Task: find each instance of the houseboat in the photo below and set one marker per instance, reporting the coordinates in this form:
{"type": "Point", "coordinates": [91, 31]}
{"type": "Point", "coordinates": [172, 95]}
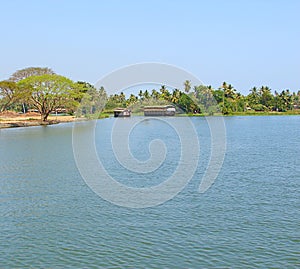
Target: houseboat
{"type": "Point", "coordinates": [122, 112]}
{"type": "Point", "coordinates": [167, 110]}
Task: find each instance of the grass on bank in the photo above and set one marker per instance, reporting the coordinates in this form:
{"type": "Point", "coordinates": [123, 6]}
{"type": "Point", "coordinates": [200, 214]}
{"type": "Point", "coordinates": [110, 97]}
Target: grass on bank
{"type": "Point", "coordinates": [265, 113]}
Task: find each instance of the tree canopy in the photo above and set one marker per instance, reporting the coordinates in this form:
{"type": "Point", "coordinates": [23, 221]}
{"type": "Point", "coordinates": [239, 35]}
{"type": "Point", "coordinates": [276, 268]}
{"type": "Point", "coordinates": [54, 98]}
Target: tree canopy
{"type": "Point", "coordinates": [91, 100]}
{"type": "Point", "coordinates": [42, 89]}
{"type": "Point", "coordinates": [7, 94]}
{"type": "Point", "coordinates": [30, 71]}
{"type": "Point", "coordinates": [48, 92]}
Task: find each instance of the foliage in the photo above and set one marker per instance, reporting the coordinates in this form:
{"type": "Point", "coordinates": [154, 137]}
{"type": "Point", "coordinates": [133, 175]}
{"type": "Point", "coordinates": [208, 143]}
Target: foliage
{"type": "Point", "coordinates": [47, 93]}
{"type": "Point", "coordinates": [187, 86]}
{"type": "Point", "coordinates": [205, 99]}
{"type": "Point", "coordinates": [7, 94]}
{"type": "Point", "coordinates": [91, 100]}
{"type": "Point", "coordinates": [41, 89]}
{"type": "Point", "coordinates": [30, 71]}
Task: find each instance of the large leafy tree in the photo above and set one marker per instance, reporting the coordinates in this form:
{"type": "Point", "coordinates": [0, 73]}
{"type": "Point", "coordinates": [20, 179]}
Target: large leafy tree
{"type": "Point", "coordinates": [7, 94]}
{"type": "Point", "coordinates": [48, 92]}
{"type": "Point", "coordinates": [30, 71]}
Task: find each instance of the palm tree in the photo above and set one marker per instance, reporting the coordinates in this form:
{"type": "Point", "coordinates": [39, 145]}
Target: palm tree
{"type": "Point", "coordinates": [141, 94]}
{"type": "Point", "coordinates": [286, 97]}
{"type": "Point", "coordinates": [266, 96]}
{"type": "Point", "coordinates": [165, 94]}
{"type": "Point", "coordinates": [131, 100]}
{"type": "Point", "coordinates": [230, 92]}
{"type": "Point", "coordinates": [187, 86]}
{"type": "Point", "coordinates": [175, 96]}
{"type": "Point", "coordinates": [146, 94]}
{"type": "Point", "coordinates": [122, 97]}
{"type": "Point", "coordinates": [224, 87]}
{"type": "Point", "coordinates": [253, 97]}
{"type": "Point", "coordinates": [154, 94]}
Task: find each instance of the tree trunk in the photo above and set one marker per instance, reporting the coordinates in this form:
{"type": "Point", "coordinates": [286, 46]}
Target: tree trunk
{"type": "Point", "coordinates": [45, 116]}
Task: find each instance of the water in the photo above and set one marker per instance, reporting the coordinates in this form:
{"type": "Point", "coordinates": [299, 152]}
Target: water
{"type": "Point", "coordinates": [249, 218]}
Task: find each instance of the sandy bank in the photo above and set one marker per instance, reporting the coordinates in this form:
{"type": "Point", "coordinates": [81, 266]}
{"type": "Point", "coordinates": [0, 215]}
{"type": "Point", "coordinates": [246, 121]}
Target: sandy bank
{"type": "Point", "coordinates": [9, 119]}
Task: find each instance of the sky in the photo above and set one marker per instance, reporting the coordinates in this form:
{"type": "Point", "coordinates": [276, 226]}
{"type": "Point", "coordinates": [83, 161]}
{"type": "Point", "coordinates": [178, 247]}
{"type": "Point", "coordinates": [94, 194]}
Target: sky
{"type": "Point", "coordinates": [245, 43]}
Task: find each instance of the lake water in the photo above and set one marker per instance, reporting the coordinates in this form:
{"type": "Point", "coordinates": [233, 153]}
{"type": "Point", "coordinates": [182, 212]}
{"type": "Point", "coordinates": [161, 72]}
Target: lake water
{"type": "Point", "coordinates": [249, 218]}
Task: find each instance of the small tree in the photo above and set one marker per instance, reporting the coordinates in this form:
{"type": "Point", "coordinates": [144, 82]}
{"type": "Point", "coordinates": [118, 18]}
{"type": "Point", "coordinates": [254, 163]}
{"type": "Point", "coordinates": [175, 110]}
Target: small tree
{"type": "Point", "coordinates": [47, 93]}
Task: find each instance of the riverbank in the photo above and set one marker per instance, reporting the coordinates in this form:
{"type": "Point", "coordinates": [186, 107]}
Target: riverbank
{"type": "Point", "coordinates": [263, 113]}
{"type": "Point", "coordinates": [248, 113]}
{"type": "Point", "coordinates": [11, 119]}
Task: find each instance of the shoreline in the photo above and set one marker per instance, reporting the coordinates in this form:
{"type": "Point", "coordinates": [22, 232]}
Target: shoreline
{"type": "Point", "coordinates": [30, 120]}
{"type": "Point", "coordinates": [27, 121]}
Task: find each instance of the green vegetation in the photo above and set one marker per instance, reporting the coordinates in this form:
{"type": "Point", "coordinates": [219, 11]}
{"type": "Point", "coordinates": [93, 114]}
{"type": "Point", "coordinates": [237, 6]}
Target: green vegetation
{"type": "Point", "coordinates": [42, 90]}
{"type": "Point", "coordinates": [7, 94]}
{"type": "Point", "coordinates": [258, 100]}
{"type": "Point", "coordinates": [47, 93]}
{"type": "Point", "coordinates": [208, 101]}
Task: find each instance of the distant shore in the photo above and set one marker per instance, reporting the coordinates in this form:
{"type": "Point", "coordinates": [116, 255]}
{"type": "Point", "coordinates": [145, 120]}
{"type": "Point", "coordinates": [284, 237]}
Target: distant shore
{"type": "Point", "coordinates": [249, 113]}
{"type": "Point", "coordinates": [14, 120]}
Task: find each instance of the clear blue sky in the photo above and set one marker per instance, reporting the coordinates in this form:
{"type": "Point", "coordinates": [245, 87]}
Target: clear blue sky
{"type": "Point", "coordinates": [244, 42]}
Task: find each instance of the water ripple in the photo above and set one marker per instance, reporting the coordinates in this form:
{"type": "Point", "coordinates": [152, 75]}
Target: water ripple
{"type": "Point", "coordinates": [250, 218]}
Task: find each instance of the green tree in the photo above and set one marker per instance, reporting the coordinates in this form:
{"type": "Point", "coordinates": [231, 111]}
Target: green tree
{"type": "Point", "coordinates": [92, 101]}
{"type": "Point", "coordinates": [175, 96]}
{"type": "Point", "coordinates": [48, 92]}
{"type": "Point", "coordinates": [131, 100]}
{"type": "Point", "coordinates": [164, 93]}
{"type": "Point", "coordinates": [116, 100]}
{"type": "Point", "coordinates": [30, 71]}
{"type": "Point", "coordinates": [266, 97]}
{"type": "Point", "coordinates": [141, 95]}
{"type": "Point", "coordinates": [122, 98]}
{"type": "Point", "coordinates": [146, 94]}
{"type": "Point", "coordinates": [229, 98]}
{"type": "Point", "coordinates": [155, 94]}
{"type": "Point", "coordinates": [240, 103]}
{"type": "Point", "coordinates": [296, 99]}
{"type": "Point", "coordinates": [187, 86]}
{"type": "Point", "coordinates": [284, 101]}
{"type": "Point", "coordinates": [253, 98]}
{"type": "Point", "coordinates": [218, 96]}
{"type": "Point", "coordinates": [230, 92]}
{"type": "Point", "coordinates": [187, 104]}
{"type": "Point", "coordinates": [205, 98]}
{"type": "Point", "coordinates": [7, 94]}
{"type": "Point", "coordinates": [223, 88]}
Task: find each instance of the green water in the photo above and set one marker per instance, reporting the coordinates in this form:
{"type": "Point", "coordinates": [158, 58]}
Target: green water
{"type": "Point", "coordinates": [249, 218]}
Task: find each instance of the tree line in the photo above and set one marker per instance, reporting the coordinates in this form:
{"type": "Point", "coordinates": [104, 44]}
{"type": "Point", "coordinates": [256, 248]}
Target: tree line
{"type": "Point", "coordinates": [45, 91]}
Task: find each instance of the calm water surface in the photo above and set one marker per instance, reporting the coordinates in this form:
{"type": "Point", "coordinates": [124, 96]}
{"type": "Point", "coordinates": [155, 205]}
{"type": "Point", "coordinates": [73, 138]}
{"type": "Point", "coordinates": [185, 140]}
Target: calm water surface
{"type": "Point", "coordinates": [249, 218]}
